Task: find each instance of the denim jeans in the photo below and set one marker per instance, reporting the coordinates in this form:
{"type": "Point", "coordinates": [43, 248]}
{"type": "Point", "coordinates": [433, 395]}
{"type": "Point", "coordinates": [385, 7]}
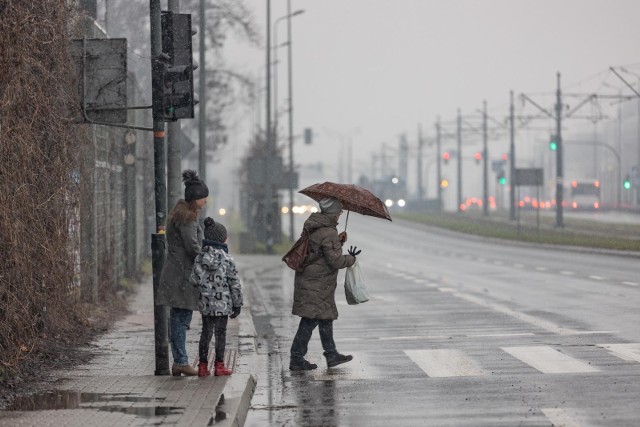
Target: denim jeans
{"type": "Point", "coordinates": [305, 330]}
{"type": "Point", "coordinates": [180, 318]}
{"type": "Point", "coordinates": [211, 324]}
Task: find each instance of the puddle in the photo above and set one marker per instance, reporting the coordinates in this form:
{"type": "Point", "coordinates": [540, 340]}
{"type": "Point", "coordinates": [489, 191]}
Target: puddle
{"type": "Point", "coordinates": [64, 399]}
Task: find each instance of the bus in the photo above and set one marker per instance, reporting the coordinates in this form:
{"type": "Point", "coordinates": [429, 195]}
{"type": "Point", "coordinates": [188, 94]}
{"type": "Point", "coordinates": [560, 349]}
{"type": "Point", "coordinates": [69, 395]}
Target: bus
{"type": "Point", "coordinates": [585, 195]}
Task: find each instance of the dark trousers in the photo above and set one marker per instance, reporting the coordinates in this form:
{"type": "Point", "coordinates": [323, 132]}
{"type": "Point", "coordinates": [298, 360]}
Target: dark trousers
{"type": "Point", "coordinates": [211, 325]}
{"type": "Point", "coordinates": [305, 330]}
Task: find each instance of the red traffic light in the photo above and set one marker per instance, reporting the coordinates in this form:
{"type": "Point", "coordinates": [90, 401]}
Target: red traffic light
{"type": "Point", "coordinates": [505, 157]}
{"type": "Point", "coordinates": [478, 156]}
{"type": "Point", "coordinates": [446, 155]}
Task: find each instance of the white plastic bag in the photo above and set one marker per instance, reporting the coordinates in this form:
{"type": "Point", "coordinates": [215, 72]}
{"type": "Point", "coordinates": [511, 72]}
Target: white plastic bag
{"type": "Point", "coordinates": [354, 285]}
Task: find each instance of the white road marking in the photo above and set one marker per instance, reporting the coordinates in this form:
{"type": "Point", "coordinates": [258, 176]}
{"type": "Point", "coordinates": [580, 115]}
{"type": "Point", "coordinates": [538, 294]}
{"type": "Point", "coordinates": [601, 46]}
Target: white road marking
{"type": "Point", "coordinates": [630, 283]}
{"type": "Point", "coordinates": [541, 268]}
{"type": "Point", "coordinates": [447, 290]}
{"type": "Point", "coordinates": [412, 337]}
{"type": "Point", "coordinates": [567, 273]}
{"type": "Point", "coordinates": [525, 334]}
{"type": "Point", "coordinates": [548, 360]}
{"type": "Point", "coordinates": [596, 277]}
{"type": "Point", "coordinates": [541, 323]}
{"type": "Point", "coordinates": [357, 369]}
{"type": "Point", "coordinates": [629, 352]}
{"type": "Point", "coordinates": [432, 285]}
{"type": "Point", "coordinates": [444, 363]}
{"type": "Point", "coordinates": [419, 280]}
{"type": "Point", "coordinates": [559, 418]}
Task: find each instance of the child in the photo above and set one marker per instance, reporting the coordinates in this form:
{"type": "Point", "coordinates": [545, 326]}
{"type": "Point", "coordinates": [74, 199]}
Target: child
{"type": "Point", "coordinates": [215, 276]}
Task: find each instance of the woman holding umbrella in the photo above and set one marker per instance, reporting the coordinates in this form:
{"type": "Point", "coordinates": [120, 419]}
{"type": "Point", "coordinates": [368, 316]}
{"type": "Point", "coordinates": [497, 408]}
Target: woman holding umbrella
{"type": "Point", "coordinates": [314, 293]}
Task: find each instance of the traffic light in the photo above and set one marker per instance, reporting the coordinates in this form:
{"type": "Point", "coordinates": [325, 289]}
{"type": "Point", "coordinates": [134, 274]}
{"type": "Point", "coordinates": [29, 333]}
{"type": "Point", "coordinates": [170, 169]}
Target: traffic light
{"type": "Point", "coordinates": [505, 157]}
{"type": "Point", "coordinates": [446, 156]}
{"type": "Point", "coordinates": [626, 184]}
{"type": "Point", "coordinates": [553, 143]}
{"type": "Point", "coordinates": [502, 180]}
{"type": "Point", "coordinates": [173, 96]}
{"type": "Point", "coordinates": [444, 183]}
{"type": "Point", "coordinates": [477, 156]}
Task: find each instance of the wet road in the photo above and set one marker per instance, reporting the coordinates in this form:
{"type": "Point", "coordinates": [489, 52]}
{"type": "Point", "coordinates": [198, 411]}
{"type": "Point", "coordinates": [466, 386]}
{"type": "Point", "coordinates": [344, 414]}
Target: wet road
{"type": "Point", "coordinates": [459, 332]}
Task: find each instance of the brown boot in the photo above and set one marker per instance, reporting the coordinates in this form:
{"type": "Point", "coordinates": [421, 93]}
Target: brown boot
{"type": "Point", "coordinates": [186, 370]}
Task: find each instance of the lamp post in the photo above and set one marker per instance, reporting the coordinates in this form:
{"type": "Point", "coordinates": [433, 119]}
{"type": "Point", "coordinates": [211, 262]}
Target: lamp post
{"type": "Point", "coordinates": [288, 17]}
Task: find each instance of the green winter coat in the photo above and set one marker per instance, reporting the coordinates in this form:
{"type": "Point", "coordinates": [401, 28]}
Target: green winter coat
{"type": "Point", "coordinates": [184, 243]}
{"type": "Point", "coordinates": [314, 293]}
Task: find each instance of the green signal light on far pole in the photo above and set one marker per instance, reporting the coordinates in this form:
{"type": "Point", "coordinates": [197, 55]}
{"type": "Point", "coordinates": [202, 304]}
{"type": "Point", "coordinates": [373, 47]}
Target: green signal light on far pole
{"type": "Point", "coordinates": [503, 180]}
{"type": "Point", "coordinates": [553, 146]}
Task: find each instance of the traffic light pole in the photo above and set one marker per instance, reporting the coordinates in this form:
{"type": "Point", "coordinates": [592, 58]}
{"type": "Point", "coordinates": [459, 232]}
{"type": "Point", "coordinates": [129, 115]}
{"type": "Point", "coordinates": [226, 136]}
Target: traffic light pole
{"type": "Point", "coordinates": [512, 160]}
{"type": "Point", "coordinates": [459, 142]}
{"type": "Point", "coordinates": [174, 157]}
{"type": "Point", "coordinates": [158, 240]}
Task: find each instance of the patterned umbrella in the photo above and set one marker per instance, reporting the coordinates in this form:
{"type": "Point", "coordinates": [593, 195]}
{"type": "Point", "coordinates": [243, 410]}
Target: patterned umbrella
{"type": "Point", "coordinates": [352, 197]}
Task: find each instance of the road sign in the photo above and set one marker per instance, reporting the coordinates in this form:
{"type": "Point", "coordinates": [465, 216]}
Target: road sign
{"type": "Point", "coordinates": [529, 177]}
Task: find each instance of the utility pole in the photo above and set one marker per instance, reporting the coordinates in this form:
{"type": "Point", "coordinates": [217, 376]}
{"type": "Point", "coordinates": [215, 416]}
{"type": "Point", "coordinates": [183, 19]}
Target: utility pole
{"type": "Point", "coordinates": [459, 154]}
{"type": "Point", "coordinates": [158, 240]}
{"type": "Point", "coordinates": [419, 166]}
{"type": "Point", "coordinates": [202, 114]}
{"type": "Point", "coordinates": [439, 160]}
{"type": "Point", "coordinates": [559, 169]}
{"type": "Point", "coordinates": [512, 160]}
{"type": "Point", "coordinates": [174, 158]}
{"type": "Point", "coordinates": [485, 171]}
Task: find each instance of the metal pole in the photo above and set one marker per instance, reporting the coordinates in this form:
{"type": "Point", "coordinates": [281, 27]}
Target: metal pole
{"type": "Point", "coordinates": [268, 219]}
{"type": "Point", "coordinates": [419, 166]}
{"type": "Point", "coordinates": [158, 242]}
{"type": "Point", "coordinates": [512, 160]}
{"type": "Point", "coordinates": [559, 171]}
{"type": "Point", "coordinates": [290, 81]}
{"type": "Point", "coordinates": [439, 160]}
{"type": "Point", "coordinates": [174, 158]}
{"type": "Point", "coordinates": [485, 171]}
{"type": "Point", "coordinates": [459, 141]}
{"type": "Point", "coordinates": [202, 116]}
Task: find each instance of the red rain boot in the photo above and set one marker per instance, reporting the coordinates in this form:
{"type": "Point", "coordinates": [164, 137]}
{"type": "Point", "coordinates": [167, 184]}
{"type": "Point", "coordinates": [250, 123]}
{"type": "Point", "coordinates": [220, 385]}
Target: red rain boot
{"type": "Point", "coordinates": [220, 369]}
{"type": "Point", "coordinates": [202, 369]}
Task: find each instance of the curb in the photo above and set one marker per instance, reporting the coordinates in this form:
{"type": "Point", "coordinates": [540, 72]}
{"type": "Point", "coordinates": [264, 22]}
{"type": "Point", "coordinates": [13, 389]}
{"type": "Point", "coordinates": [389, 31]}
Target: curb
{"type": "Point", "coordinates": [237, 395]}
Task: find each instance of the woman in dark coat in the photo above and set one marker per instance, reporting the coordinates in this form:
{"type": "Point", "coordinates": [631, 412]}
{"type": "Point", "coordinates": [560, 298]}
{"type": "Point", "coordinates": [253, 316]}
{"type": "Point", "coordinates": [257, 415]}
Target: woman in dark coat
{"type": "Point", "coordinates": [184, 241]}
{"type": "Point", "coordinates": [314, 288]}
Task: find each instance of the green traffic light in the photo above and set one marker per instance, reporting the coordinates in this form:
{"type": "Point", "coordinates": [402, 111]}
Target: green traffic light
{"type": "Point", "coordinates": [553, 146]}
{"type": "Point", "coordinates": [627, 185]}
{"type": "Point", "coordinates": [503, 180]}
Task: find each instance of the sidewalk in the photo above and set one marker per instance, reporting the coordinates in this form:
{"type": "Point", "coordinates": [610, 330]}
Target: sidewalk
{"type": "Point", "coordinates": [118, 387]}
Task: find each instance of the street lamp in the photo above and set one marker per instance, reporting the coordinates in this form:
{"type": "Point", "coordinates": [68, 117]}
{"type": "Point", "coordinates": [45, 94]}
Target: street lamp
{"type": "Point", "coordinates": [288, 17]}
{"type": "Point", "coordinates": [277, 46]}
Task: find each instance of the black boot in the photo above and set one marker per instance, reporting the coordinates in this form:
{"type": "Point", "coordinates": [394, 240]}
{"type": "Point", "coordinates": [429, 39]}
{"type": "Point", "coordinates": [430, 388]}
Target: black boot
{"type": "Point", "coordinates": [301, 365]}
{"type": "Point", "coordinates": [335, 359]}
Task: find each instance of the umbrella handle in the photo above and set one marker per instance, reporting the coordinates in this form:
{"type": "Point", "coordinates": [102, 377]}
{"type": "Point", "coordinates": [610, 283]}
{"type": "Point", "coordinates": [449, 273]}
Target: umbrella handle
{"type": "Point", "coordinates": [346, 221]}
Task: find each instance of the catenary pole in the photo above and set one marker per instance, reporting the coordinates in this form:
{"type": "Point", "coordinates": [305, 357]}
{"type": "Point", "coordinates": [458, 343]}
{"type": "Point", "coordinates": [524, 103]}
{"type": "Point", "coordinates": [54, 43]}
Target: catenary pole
{"type": "Point", "coordinates": [439, 164]}
{"type": "Point", "coordinates": [559, 169]}
{"type": "Point", "coordinates": [485, 160]}
{"type": "Point", "coordinates": [459, 154]}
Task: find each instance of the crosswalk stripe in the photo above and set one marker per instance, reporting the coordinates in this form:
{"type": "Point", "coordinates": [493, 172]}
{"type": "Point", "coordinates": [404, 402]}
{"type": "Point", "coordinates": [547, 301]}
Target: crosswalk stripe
{"type": "Point", "coordinates": [629, 352]}
{"type": "Point", "coordinates": [559, 417]}
{"type": "Point", "coordinates": [357, 369]}
{"type": "Point", "coordinates": [444, 363]}
{"type": "Point", "coordinates": [548, 360]}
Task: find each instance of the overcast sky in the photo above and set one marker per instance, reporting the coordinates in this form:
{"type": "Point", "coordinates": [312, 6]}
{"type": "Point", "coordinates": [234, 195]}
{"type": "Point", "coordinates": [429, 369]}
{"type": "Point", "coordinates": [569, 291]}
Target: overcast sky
{"type": "Point", "coordinates": [373, 69]}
